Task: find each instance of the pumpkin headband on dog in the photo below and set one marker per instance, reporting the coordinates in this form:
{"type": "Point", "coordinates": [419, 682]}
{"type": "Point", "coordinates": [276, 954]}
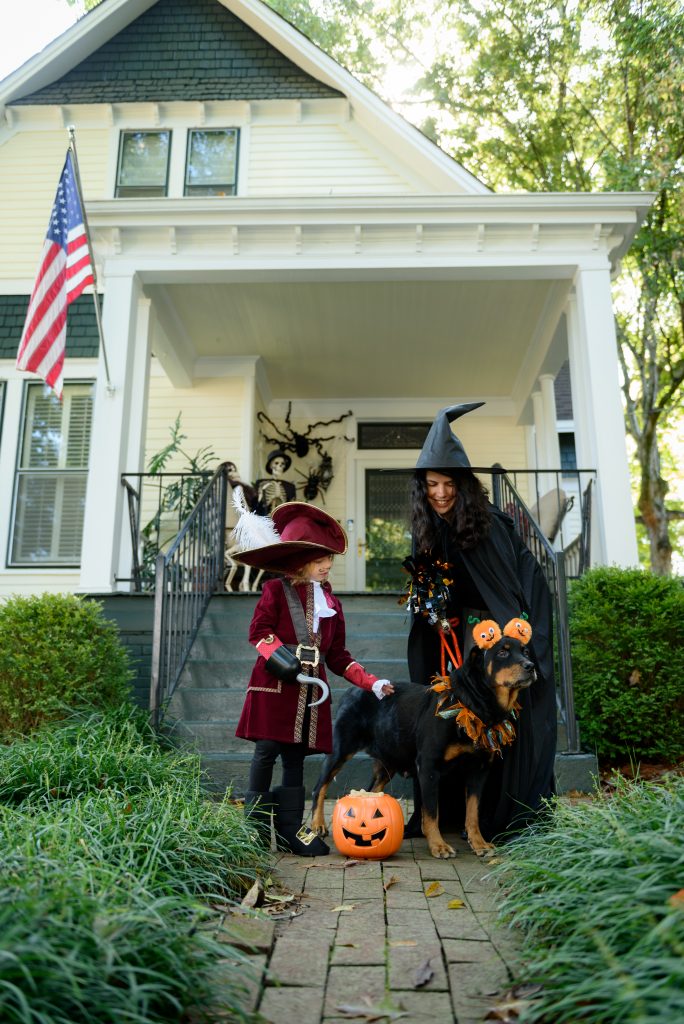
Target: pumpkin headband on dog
{"type": "Point", "coordinates": [487, 632]}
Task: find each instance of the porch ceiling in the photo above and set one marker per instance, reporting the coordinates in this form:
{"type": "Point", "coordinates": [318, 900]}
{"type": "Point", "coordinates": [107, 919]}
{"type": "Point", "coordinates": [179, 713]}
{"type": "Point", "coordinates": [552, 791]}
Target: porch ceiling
{"type": "Point", "coordinates": [374, 338]}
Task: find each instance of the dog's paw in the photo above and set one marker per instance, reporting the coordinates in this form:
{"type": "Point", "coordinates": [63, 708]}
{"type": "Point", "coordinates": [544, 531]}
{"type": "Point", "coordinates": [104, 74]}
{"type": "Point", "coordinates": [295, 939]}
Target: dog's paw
{"type": "Point", "coordinates": [442, 851]}
{"type": "Point", "coordinates": [320, 828]}
{"type": "Point", "coordinates": [482, 849]}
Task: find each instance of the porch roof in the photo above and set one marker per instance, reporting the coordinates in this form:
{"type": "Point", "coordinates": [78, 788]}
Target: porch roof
{"type": "Point", "coordinates": [372, 297]}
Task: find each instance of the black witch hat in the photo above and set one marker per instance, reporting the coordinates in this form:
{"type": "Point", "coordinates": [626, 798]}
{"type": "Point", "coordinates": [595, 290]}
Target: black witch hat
{"type": "Point", "coordinates": [442, 449]}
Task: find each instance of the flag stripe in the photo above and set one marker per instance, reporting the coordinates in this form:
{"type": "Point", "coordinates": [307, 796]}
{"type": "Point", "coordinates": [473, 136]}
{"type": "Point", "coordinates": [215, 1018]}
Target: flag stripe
{"type": "Point", "coordinates": [65, 269]}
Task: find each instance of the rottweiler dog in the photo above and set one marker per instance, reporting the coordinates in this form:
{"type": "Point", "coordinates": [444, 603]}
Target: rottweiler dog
{"type": "Point", "coordinates": [420, 730]}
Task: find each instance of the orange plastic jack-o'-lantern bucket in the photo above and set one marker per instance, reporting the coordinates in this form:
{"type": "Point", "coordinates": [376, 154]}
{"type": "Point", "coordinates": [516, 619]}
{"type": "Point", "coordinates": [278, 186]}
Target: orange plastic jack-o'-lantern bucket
{"type": "Point", "coordinates": [367, 825]}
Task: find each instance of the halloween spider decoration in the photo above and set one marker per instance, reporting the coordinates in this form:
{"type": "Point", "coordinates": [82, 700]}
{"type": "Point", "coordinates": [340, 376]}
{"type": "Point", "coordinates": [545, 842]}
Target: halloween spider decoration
{"type": "Point", "coordinates": [319, 477]}
{"type": "Point", "coordinates": [290, 440]}
{"type": "Point", "coordinates": [368, 825]}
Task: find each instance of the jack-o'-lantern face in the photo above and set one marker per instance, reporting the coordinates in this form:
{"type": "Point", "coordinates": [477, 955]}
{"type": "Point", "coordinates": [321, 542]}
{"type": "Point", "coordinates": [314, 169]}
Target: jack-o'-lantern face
{"type": "Point", "coordinates": [367, 825]}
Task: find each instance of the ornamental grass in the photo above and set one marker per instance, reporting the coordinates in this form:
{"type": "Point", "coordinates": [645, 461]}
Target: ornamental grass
{"type": "Point", "coordinates": [598, 892]}
{"type": "Point", "coordinates": [117, 873]}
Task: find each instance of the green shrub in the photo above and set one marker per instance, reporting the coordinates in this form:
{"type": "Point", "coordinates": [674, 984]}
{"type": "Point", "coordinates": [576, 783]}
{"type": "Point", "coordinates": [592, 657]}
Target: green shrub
{"type": "Point", "coordinates": [596, 889]}
{"type": "Point", "coordinates": [113, 751]}
{"type": "Point", "coordinates": [118, 877]}
{"type": "Point", "coordinates": [57, 652]}
{"type": "Point", "coordinates": [627, 645]}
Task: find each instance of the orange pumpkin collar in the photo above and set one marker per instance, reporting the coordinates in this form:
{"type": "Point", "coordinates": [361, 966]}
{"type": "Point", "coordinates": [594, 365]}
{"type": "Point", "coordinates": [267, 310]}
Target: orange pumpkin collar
{"type": "Point", "coordinates": [484, 737]}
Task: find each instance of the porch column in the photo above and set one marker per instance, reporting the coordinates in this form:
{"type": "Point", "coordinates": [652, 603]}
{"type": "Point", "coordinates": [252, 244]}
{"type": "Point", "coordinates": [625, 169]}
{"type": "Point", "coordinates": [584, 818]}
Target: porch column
{"type": "Point", "coordinates": [550, 421]}
{"type": "Point", "coordinates": [539, 439]}
{"type": "Point", "coordinates": [117, 431]}
{"type": "Point", "coordinates": [599, 420]}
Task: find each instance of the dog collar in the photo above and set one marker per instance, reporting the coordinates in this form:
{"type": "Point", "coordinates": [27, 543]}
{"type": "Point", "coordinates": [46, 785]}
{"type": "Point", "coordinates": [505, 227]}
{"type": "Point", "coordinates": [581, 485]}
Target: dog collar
{"type": "Point", "coordinates": [491, 738]}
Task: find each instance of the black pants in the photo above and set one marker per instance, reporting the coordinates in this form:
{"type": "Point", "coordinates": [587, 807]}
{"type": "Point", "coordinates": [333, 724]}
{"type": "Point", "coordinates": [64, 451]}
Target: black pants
{"type": "Point", "coordinates": [265, 754]}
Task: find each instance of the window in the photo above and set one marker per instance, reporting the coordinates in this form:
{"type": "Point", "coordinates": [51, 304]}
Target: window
{"type": "Point", "coordinates": [143, 168]}
{"type": "Point", "coordinates": [211, 165]}
{"type": "Point", "coordinates": [566, 443]}
{"type": "Point", "coordinates": [391, 435]}
{"type": "Point", "coordinates": [51, 477]}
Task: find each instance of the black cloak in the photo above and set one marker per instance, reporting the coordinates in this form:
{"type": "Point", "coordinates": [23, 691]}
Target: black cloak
{"type": "Point", "coordinates": [508, 580]}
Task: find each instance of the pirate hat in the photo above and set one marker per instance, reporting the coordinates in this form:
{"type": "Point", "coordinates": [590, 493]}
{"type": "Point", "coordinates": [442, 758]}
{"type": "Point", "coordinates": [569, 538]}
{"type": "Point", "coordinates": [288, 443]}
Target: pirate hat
{"type": "Point", "coordinates": [442, 449]}
{"type": "Point", "coordinates": [299, 533]}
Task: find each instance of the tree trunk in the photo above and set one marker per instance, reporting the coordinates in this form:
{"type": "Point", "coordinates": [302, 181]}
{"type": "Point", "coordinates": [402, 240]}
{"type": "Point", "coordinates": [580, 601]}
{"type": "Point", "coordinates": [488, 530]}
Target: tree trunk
{"type": "Point", "coordinates": [652, 504]}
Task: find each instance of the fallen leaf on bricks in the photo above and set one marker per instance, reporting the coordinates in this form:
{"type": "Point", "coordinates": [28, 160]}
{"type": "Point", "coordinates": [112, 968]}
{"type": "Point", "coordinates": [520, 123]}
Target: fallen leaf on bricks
{"type": "Point", "coordinates": [422, 975]}
{"type": "Point", "coordinates": [392, 881]}
{"type": "Point", "coordinates": [508, 1008]}
{"type": "Point", "coordinates": [370, 1011]}
{"type": "Point", "coordinates": [255, 896]}
{"type": "Point", "coordinates": [455, 904]}
{"type": "Point", "coordinates": [279, 897]}
{"type": "Point", "coordinates": [351, 863]}
{"type": "Point", "coordinates": [344, 906]}
{"type": "Point", "coordinates": [347, 945]}
{"type": "Point", "coordinates": [404, 942]}
{"type": "Point", "coordinates": [434, 889]}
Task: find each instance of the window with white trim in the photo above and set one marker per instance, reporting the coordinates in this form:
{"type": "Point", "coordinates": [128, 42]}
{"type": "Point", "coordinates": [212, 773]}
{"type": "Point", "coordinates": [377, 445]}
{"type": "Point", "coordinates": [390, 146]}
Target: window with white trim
{"type": "Point", "coordinates": [211, 162]}
{"type": "Point", "coordinates": [52, 474]}
{"type": "Point", "coordinates": [143, 167]}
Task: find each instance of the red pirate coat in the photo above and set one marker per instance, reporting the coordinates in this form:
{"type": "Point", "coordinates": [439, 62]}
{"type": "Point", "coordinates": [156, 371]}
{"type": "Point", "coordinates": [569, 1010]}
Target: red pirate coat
{"type": "Point", "coordinates": [273, 709]}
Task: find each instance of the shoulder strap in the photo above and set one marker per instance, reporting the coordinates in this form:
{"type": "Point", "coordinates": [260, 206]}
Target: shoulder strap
{"type": "Point", "coordinates": [297, 615]}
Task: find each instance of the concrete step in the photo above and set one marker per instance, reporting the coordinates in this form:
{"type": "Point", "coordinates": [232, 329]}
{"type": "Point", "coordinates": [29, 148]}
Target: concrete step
{"type": "Point", "coordinates": [231, 772]}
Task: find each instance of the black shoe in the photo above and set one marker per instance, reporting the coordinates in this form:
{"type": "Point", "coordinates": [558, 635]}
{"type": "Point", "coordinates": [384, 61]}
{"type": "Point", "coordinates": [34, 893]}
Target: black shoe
{"type": "Point", "coordinates": [291, 834]}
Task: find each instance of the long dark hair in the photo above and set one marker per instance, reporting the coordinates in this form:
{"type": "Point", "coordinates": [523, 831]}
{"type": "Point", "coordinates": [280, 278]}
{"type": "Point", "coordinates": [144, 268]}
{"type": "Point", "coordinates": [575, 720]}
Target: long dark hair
{"type": "Point", "coordinates": [469, 519]}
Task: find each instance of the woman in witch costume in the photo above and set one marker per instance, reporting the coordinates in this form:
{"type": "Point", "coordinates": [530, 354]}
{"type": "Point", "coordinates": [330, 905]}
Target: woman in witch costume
{"type": "Point", "coordinates": [297, 628]}
{"type": "Point", "coordinates": [472, 556]}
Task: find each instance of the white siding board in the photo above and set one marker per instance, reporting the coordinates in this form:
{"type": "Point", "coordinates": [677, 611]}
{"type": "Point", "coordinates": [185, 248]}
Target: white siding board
{"type": "Point", "coordinates": [302, 159]}
{"type": "Point", "coordinates": [29, 172]}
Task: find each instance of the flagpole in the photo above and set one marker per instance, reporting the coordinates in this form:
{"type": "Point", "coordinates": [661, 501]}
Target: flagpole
{"type": "Point", "coordinates": [98, 317]}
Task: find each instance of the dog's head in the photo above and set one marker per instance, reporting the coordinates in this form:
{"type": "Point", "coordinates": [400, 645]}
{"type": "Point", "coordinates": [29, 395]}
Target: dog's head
{"type": "Point", "coordinates": [504, 659]}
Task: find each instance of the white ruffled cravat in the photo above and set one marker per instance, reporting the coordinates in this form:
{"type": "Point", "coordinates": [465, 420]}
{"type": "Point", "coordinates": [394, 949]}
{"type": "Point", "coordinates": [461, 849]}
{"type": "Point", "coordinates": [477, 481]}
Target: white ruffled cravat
{"type": "Point", "coordinates": [322, 609]}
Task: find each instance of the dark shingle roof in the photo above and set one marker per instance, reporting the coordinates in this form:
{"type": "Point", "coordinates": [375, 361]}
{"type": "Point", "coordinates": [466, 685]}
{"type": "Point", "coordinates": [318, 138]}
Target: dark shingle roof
{"type": "Point", "coordinates": [81, 339]}
{"type": "Point", "coordinates": [563, 393]}
{"type": "Point", "coordinates": [182, 50]}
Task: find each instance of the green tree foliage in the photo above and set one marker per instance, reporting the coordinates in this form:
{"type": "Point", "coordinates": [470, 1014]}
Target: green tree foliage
{"type": "Point", "coordinates": [57, 652]}
{"type": "Point", "coordinates": [627, 645]}
{"type": "Point", "coordinates": [561, 95]}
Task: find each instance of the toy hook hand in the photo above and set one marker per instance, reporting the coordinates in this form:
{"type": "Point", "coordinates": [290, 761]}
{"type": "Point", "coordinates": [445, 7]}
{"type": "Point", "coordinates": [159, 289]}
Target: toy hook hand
{"type": "Point", "coordinates": [325, 689]}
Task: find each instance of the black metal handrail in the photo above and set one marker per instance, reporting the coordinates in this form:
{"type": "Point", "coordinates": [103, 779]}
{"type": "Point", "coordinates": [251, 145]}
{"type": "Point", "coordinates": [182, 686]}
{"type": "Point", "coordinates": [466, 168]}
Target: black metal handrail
{"type": "Point", "coordinates": [168, 497]}
{"type": "Point", "coordinates": [186, 577]}
{"type": "Point", "coordinates": [552, 562]}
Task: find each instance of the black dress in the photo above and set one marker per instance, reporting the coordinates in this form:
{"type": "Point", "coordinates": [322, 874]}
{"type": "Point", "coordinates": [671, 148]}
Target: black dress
{"type": "Point", "coordinates": [499, 577]}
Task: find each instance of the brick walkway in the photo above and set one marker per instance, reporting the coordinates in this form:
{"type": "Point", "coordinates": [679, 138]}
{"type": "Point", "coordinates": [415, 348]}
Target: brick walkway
{"type": "Point", "coordinates": [369, 956]}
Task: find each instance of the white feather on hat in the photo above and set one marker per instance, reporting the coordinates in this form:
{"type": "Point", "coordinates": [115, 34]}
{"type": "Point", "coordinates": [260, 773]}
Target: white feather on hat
{"type": "Point", "coordinates": [251, 530]}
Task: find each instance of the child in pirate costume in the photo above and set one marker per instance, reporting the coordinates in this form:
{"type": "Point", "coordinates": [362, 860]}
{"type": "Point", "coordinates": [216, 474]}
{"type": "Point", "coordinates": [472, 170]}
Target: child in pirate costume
{"type": "Point", "coordinates": [297, 629]}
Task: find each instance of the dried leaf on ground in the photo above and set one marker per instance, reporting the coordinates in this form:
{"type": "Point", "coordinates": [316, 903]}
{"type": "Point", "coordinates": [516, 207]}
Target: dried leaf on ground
{"type": "Point", "coordinates": [510, 1005]}
{"type": "Point", "coordinates": [434, 889]}
{"type": "Point", "coordinates": [391, 881]}
{"type": "Point", "coordinates": [352, 863]}
{"type": "Point", "coordinates": [343, 907]}
{"type": "Point", "coordinates": [403, 942]}
{"type": "Point", "coordinates": [255, 896]}
{"type": "Point", "coordinates": [372, 1012]}
{"type": "Point", "coordinates": [455, 904]}
{"type": "Point", "coordinates": [422, 974]}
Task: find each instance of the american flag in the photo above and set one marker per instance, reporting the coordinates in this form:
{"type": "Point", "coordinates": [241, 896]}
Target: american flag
{"type": "Point", "coordinates": [65, 270]}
